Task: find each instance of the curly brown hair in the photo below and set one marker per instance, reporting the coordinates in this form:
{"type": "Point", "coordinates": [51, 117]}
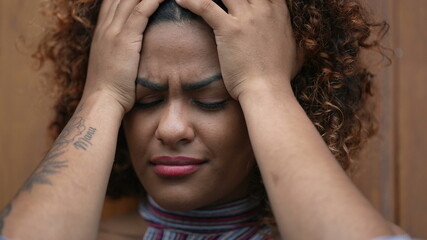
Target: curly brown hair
{"type": "Point", "coordinates": [333, 85]}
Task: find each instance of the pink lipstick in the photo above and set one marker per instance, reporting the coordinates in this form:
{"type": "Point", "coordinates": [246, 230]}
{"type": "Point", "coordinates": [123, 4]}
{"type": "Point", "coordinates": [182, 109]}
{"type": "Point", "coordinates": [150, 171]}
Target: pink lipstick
{"type": "Point", "coordinates": [175, 166]}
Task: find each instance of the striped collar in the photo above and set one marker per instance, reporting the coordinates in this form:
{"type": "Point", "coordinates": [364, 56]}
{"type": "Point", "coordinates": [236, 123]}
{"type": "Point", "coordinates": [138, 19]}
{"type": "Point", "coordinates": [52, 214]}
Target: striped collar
{"type": "Point", "coordinates": [239, 218]}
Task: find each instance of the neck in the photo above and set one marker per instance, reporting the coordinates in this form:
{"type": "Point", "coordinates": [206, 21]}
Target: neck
{"type": "Point", "coordinates": [224, 217]}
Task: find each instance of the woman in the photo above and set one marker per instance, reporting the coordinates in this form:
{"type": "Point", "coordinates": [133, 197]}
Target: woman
{"type": "Point", "coordinates": [209, 111]}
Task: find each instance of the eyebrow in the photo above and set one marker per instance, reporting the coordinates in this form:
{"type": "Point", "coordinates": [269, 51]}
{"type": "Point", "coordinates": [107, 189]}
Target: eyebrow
{"type": "Point", "coordinates": [150, 85]}
{"type": "Point", "coordinates": [187, 86]}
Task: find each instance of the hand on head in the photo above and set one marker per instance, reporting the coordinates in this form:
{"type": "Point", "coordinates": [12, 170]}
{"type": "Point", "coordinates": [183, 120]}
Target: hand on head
{"type": "Point", "coordinates": [116, 47]}
{"type": "Point", "coordinates": [254, 40]}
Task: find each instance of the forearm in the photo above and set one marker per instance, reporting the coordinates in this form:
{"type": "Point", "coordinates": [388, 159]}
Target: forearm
{"type": "Point", "coordinates": [64, 196]}
{"type": "Point", "coordinates": [307, 189]}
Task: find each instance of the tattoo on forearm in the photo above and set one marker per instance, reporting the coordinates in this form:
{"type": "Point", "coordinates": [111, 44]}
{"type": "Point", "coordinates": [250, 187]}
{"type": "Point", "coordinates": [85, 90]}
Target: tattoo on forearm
{"type": "Point", "coordinates": [50, 165]}
{"type": "Point", "coordinates": [54, 161]}
{"type": "Point", "coordinates": [4, 214]}
{"type": "Point", "coordinates": [75, 128]}
{"type": "Point", "coordinates": [84, 142]}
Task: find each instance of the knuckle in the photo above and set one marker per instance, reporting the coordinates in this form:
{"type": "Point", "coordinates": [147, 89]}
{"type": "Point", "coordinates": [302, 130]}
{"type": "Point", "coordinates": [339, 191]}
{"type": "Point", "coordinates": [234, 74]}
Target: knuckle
{"type": "Point", "coordinates": [205, 5]}
{"type": "Point", "coordinates": [111, 33]}
{"type": "Point", "coordinates": [99, 30]}
{"type": "Point", "coordinates": [139, 10]}
{"type": "Point", "coordinates": [235, 28]}
{"type": "Point", "coordinates": [266, 10]}
{"type": "Point", "coordinates": [96, 34]}
{"type": "Point", "coordinates": [118, 40]}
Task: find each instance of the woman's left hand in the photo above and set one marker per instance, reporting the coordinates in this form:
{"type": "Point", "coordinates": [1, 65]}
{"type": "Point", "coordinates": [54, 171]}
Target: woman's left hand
{"type": "Point", "coordinates": [254, 40]}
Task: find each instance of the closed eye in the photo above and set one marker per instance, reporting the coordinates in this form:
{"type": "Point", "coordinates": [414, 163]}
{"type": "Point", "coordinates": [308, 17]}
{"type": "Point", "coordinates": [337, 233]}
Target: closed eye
{"type": "Point", "coordinates": [211, 106]}
{"type": "Point", "coordinates": [148, 105]}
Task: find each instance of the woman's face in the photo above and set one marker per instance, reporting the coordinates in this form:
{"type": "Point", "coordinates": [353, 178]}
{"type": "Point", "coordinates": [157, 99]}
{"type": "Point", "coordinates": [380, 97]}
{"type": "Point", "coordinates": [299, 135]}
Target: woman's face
{"type": "Point", "coordinates": [187, 137]}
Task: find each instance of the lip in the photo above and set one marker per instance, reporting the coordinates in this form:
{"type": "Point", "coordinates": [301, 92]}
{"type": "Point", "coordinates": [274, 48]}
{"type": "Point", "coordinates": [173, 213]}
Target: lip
{"type": "Point", "coordinates": [175, 166]}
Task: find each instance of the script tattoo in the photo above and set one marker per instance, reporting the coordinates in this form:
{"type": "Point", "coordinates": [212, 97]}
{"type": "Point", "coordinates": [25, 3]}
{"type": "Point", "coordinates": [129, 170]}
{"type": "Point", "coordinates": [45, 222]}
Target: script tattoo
{"type": "Point", "coordinates": [84, 142]}
{"type": "Point", "coordinates": [4, 214]}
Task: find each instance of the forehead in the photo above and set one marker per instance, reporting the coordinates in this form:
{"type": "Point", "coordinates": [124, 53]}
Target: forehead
{"type": "Point", "coordinates": [184, 50]}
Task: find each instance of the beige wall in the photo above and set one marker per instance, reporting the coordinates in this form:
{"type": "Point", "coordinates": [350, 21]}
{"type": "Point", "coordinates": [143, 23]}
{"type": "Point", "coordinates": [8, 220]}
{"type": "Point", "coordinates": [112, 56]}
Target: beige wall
{"type": "Point", "coordinates": [393, 168]}
{"type": "Point", "coordinates": [24, 105]}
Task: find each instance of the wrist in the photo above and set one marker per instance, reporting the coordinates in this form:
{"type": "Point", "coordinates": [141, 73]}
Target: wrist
{"type": "Point", "coordinates": [262, 88]}
{"type": "Point", "coordinates": [103, 100]}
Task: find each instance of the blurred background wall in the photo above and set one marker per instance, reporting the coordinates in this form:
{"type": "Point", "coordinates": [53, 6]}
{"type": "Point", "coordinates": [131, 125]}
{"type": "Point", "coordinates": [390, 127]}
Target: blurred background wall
{"type": "Point", "coordinates": [393, 167]}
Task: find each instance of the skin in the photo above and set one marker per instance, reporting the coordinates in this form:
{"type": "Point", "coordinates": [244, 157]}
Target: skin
{"type": "Point", "coordinates": [176, 55]}
{"type": "Point", "coordinates": [310, 195]}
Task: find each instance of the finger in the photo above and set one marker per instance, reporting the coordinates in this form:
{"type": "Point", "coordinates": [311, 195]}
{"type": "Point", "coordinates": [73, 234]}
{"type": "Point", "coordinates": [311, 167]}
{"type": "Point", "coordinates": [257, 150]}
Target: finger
{"type": "Point", "coordinates": [105, 5]}
{"type": "Point", "coordinates": [207, 9]}
{"type": "Point", "coordinates": [122, 13]}
{"type": "Point", "coordinates": [111, 11]}
{"type": "Point", "coordinates": [263, 5]}
{"type": "Point", "coordinates": [138, 18]}
{"type": "Point", "coordinates": [236, 6]}
{"type": "Point", "coordinates": [256, 2]}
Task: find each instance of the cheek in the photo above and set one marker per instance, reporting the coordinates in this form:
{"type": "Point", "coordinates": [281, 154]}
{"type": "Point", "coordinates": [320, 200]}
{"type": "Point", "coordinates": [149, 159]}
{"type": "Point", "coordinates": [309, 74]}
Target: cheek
{"type": "Point", "coordinates": [233, 149]}
{"type": "Point", "coordinates": [227, 133]}
{"type": "Point", "coordinates": [236, 131]}
{"type": "Point", "coordinates": [137, 131]}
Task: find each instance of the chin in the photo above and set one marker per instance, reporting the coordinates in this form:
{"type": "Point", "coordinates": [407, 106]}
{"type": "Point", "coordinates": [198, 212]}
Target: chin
{"type": "Point", "coordinates": [185, 199]}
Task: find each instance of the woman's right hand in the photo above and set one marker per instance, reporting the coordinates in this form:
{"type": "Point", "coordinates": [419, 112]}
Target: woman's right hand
{"type": "Point", "coordinates": [115, 50]}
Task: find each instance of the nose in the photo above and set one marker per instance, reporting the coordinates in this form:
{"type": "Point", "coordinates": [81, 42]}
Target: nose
{"type": "Point", "coordinates": [174, 128]}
